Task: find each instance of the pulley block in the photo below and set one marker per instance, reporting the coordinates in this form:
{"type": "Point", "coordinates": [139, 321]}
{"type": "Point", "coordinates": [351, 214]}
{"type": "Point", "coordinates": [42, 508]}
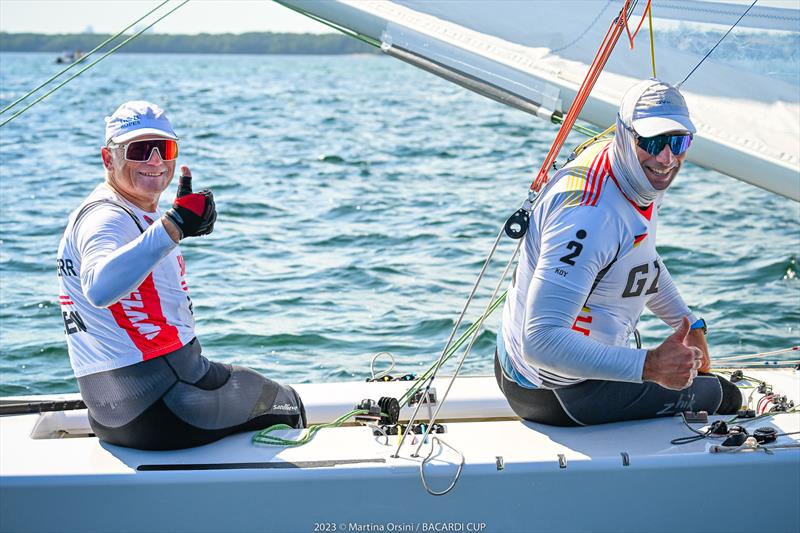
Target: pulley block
{"type": "Point", "coordinates": [390, 410]}
{"type": "Point", "coordinates": [517, 224]}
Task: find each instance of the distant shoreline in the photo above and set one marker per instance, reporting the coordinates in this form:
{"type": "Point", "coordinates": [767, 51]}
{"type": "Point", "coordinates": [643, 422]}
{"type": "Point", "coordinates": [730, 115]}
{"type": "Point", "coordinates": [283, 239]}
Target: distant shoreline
{"type": "Point", "coordinates": [204, 43]}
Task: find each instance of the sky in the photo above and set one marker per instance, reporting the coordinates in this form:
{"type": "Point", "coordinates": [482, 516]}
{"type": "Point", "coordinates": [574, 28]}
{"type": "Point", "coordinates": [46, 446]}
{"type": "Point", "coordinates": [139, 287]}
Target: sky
{"type": "Point", "coordinates": [110, 16]}
{"type": "Point", "coordinates": [198, 16]}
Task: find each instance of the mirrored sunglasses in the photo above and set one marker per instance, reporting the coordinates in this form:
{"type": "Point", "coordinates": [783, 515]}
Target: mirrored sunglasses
{"type": "Point", "coordinates": [141, 151]}
{"type": "Point", "coordinates": [678, 143]}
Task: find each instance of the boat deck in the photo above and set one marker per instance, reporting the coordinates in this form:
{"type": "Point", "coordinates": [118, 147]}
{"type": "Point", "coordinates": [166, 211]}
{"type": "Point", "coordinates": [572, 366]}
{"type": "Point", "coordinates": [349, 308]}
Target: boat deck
{"type": "Point", "coordinates": [506, 462]}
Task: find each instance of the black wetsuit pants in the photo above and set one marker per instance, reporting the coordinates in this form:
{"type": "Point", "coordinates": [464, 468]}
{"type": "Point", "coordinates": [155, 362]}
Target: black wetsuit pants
{"type": "Point", "coordinates": [182, 399]}
{"type": "Point", "coordinates": [599, 402]}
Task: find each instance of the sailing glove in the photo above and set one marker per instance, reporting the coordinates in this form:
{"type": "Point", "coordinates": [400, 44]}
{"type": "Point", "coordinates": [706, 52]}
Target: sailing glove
{"type": "Point", "coordinates": [193, 212]}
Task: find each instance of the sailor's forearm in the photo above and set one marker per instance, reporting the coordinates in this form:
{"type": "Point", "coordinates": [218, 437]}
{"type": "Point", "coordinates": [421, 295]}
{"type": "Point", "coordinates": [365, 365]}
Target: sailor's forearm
{"type": "Point", "coordinates": [550, 342]}
{"type": "Point", "coordinates": [107, 277]}
{"type": "Point", "coordinates": [571, 354]}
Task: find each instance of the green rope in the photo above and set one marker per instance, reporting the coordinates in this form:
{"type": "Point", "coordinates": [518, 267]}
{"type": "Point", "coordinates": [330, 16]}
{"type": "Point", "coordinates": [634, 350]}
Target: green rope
{"type": "Point", "coordinates": [264, 438]}
{"type": "Point", "coordinates": [589, 132]}
{"type": "Point", "coordinates": [90, 65]}
{"type": "Point", "coordinates": [347, 31]}
{"type": "Point", "coordinates": [452, 350]}
{"type": "Point", "coordinates": [84, 57]}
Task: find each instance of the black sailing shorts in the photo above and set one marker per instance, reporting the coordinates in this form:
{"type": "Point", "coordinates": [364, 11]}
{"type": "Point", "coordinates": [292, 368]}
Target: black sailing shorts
{"type": "Point", "coordinates": [598, 402]}
{"type": "Point", "coordinates": [182, 399]}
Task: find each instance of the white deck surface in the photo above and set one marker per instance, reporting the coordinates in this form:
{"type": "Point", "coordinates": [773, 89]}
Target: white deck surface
{"type": "Point", "coordinates": [281, 489]}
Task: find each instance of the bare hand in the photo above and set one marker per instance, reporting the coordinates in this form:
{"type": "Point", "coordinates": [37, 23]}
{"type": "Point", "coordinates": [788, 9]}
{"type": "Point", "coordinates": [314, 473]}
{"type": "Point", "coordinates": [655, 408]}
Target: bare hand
{"type": "Point", "coordinates": [697, 338]}
{"type": "Point", "coordinates": [673, 365]}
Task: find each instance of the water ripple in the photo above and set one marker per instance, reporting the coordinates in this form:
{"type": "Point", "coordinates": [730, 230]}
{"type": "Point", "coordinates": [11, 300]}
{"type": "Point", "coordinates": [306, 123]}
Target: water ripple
{"type": "Point", "coordinates": [357, 200]}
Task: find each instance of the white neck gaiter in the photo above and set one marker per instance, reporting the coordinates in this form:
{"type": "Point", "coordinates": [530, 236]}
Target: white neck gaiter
{"type": "Point", "coordinates": [655, 107]}
{"type": "Point", "coordinates": [626, 167]}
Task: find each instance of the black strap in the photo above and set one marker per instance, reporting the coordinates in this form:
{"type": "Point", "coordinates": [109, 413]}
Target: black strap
{"type": "Point", "coordinates": [124, 207]}
{"type": "Point", "coordinates": [602, 274]}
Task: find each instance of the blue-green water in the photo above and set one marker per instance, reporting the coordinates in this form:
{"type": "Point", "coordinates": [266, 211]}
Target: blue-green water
{"type": "Point", "coordinates": [357, 199]}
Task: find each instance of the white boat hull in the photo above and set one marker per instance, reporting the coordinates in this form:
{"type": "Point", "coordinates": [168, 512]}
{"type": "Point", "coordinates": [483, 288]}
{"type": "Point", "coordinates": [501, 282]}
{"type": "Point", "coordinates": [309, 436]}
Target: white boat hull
{"type": "Point", "coordinates": [346, 479]}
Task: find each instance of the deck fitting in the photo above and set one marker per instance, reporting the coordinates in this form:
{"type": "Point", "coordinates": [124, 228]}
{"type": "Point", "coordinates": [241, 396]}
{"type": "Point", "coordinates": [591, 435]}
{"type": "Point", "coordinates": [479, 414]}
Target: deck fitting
{"type": "Point", "coordinates": [626, 459]}
{"type": "Point", "coordinates": [562, 460]}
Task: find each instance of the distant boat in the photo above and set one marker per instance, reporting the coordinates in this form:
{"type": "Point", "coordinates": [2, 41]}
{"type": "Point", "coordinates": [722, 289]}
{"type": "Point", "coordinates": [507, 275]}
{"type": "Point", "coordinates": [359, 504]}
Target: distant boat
{"type": "Point", "coordinates": [68, 57]}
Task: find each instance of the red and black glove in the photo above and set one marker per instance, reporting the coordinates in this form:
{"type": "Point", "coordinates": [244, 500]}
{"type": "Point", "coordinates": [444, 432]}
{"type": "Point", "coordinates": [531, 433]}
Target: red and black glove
{"type": "Point", "coordinates": [193, 213]}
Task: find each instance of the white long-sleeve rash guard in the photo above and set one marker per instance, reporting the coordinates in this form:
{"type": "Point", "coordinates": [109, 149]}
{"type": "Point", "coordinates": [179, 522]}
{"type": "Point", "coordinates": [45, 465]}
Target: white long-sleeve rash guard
{"type": "Point", "coordinates": [110, 271]}
{"type": "Point", "coordinates": [124, 296]}
{"type": "Point", "coordinates": [560, 324]}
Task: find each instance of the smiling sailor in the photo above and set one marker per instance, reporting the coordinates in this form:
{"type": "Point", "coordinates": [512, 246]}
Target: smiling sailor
{"type": "Point", "coordinates": [126, 306]}
{"type": "Point", "coordinates": [588, 268]}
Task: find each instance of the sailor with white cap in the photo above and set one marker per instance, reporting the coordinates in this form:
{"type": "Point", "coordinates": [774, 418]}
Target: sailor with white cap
{"type": "Point", "coordinates": [127, 312]}
{"type": "Point", "coordinates": [588, 268]}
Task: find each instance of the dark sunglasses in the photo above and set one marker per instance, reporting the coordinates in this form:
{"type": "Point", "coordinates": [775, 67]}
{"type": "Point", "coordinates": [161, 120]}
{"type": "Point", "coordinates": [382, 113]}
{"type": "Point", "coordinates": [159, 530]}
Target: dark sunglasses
{"type": "Point", "coordinates": [678, 143]}
{"type": "Point", "coordinates": [140, 151]}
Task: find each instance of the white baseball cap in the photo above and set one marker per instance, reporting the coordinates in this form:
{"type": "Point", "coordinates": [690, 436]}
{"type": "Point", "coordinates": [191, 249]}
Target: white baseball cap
{"type": "Point", "coordinates": [136, 118]}
{"type": "Point", "coordinates": [653, 107]}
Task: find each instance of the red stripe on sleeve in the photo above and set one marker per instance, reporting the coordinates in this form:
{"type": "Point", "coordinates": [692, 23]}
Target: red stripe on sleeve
{"type": "Point", "coordinates": [140, 315]}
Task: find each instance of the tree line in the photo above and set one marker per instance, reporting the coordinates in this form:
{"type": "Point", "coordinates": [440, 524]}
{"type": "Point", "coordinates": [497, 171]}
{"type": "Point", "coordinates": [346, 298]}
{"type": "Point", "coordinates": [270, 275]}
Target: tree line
{"type": "Point", "coordinates": [204, 43]}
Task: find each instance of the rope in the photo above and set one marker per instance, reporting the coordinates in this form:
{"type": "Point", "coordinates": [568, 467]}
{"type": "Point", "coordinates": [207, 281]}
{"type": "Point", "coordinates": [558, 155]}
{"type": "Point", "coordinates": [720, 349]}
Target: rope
{"type": "Point", "coordinates": [581, 147]}
{"type": "Point", "coordinates": [641, 21]}
{"type": "Point", "coordinates": [589, 132]}
{"type": "Point", "coordinates": [90, 65]}
{"type": "Point", "coordinates": [726, 358]}
{"type": "Point", "coordinates": [84, 57]}
{"type": "Point", "coordinates": [718, 43]}
{"type": "Point", "coordinates": [589, 27]}
{"type": "Point", "coordinates": [480, 322]}
{"type": "Point", "coordinates": [600, 59]}
{"type": "Point", "coordinates": [452, 350]}
{"type": "Point", "coordinates": [652, 46]}
{"type": "Point", "coordinates": [440, 361]}
{"type": "Point", "coordinates": [264, 438]}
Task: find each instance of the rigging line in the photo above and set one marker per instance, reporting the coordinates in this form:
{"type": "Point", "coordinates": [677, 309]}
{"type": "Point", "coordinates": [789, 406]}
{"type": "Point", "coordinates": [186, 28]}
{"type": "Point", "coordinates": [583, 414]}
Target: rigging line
{"type": "Point", "coordinates": [639, 27]}
{"type": "Point", "coordinates": [456, 345]}
{"type": "Point", "coordinates": [718, 43]}
{"type": "Point", "coordinates": [733, 357]}
{"type": "Point", "coordinates": [588, 142]}
{"type": "Point", "coordinates": [90, 65]}
{"type": "Point", "coordinates": [263, 437]}
{"type": "Point", "coordinates": [652, 46]}
{"type": "Point", "coordinates": [467, 351]}
{"type": "Point", "coordinates": [579, 37]}
{"type": "Point", "coordinates": [600, 59]}
{"type": "Point", "coordinates": [559, 119]}
{"type": "Point", "coordinates": [85, 56]}
{"type": "Point", "coordinates": [452, 334]}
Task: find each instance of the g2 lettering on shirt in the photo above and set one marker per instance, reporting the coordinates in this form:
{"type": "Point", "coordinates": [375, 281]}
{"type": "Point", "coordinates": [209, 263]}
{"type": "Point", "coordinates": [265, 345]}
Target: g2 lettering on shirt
{"type": "Point", "coordinates": [642, 276]}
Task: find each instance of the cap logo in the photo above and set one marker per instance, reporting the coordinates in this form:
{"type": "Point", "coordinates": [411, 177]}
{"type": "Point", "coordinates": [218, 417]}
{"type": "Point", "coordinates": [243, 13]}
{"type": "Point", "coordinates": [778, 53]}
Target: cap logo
{"type": "Point", "coordinates": [133, 121]}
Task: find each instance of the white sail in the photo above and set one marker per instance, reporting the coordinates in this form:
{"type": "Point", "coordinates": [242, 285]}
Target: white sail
{"type": "Point", "coordinates": [534, 54]}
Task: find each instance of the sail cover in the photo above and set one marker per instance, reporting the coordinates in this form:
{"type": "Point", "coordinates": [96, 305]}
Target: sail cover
{"type": "Point", "coordinates": [534, 54]}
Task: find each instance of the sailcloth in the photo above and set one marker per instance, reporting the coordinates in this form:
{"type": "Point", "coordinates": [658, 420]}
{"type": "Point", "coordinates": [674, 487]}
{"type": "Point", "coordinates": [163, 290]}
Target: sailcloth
{"type": "Point", "coordinates": [534, 54]}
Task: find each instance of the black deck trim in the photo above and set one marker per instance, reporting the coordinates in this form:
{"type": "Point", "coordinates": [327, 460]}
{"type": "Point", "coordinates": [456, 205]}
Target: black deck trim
{"type": "Point", "coordinates": [244, 466]}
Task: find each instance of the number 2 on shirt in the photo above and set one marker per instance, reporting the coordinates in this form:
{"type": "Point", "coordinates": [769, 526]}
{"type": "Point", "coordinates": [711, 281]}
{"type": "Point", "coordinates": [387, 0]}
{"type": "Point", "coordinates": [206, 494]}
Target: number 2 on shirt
{"type": "Point", "coordinates": [576, 248]}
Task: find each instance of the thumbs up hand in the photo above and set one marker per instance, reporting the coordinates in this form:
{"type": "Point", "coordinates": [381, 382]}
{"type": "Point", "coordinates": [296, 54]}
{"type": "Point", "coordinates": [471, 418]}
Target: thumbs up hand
{"type": "Point", "coordinates": [193, 213]}
{"type": "Point", "coordinates": [673, 364]}
{"type": "Point", "coordinates": [185, 182]}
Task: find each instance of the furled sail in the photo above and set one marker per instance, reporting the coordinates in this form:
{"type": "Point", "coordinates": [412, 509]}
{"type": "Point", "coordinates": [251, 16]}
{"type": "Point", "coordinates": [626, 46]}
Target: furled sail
{"type": "Point", "coordinates": [533, 55]}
